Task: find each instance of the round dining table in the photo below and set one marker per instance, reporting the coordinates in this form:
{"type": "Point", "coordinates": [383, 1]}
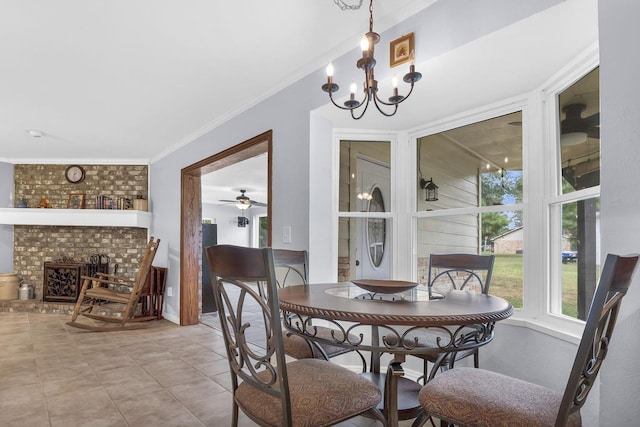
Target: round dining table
{"type": "Point", "coordinates": [386, 321]}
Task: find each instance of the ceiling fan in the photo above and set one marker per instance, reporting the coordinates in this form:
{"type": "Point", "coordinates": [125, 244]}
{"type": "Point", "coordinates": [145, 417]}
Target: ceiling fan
{"type": "Point", "coordinates": [244, 202]}
{"type": "Point", "coordinates": [575, 129]}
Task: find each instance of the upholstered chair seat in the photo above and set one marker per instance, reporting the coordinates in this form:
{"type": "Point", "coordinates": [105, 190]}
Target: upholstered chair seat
{"type": "Point", "coordinates": [317, 390]}
{"type": "Point", "coordinates": [470, 394]}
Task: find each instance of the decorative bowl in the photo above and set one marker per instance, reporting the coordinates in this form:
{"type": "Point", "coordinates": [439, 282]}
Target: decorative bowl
{"type": "Point", "coordinates": [384, 286]}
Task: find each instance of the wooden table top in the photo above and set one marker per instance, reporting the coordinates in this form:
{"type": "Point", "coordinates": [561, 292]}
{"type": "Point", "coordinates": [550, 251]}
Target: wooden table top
{"type": "Point", "coordinates": [346, 302]}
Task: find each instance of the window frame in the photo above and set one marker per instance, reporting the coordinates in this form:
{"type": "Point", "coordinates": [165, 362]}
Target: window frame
{"type": "Point", "coordinates": [509, 106]}
{"type": "Point", "coordinates": [554, 198]}
{"type": "Point", "coordinates": [391, 214]}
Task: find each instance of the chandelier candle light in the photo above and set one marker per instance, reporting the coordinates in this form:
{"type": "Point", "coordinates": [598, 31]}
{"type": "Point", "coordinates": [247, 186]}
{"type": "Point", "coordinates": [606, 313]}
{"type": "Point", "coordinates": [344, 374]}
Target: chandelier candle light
{"type": "Point", "coordinates": [367, 64]}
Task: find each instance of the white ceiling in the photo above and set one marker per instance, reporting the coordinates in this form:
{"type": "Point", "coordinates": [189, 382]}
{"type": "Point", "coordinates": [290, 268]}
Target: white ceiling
{"type": "Point", "coordinates": [130, 80]}
{"type": "Point", "coordinates": [226, 183]}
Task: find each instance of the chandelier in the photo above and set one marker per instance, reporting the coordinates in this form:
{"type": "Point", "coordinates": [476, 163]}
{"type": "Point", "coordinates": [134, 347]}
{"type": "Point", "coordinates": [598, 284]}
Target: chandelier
{"type": "Point", "coordinates": [367, 64]}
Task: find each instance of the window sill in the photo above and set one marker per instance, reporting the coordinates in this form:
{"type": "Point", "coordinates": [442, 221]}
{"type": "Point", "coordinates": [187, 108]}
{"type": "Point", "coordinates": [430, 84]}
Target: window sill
{"type": "Point", "coordinates": [569, 330]}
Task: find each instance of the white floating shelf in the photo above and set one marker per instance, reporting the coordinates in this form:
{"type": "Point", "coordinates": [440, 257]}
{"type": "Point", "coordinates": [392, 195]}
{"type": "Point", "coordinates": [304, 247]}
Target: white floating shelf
{"type": "Point", "coordinates": [75, 217]}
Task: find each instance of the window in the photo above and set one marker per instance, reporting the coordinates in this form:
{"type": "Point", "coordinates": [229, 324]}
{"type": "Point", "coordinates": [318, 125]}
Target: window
{"type": "Point", "coordinates": [575, 208]}
{"type": "Point", "coordinates": [364, 225]}
{"type": "Point", "coordinates": [579, 120]}
{"type": "Point", "coordinates": [478, 170]}
{"type": "Point", "coordinates": [262, 230]}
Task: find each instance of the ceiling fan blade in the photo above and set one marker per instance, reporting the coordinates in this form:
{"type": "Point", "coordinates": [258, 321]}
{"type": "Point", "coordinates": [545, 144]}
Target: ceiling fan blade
{"type": "Point", "coordinates": [593, 120]}
{"type": "Point", "coordinates": [244, 200]}
{"type": "Point", "coordinates": [593, 133]}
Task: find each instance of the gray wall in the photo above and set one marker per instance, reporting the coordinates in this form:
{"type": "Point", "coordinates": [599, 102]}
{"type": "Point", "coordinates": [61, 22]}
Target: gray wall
{"type": "Point", "coordinates": [620, 201]}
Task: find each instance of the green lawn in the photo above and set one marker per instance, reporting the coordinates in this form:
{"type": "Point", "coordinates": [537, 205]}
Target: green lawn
{"type": "Point", "coordinates": [506, 282]}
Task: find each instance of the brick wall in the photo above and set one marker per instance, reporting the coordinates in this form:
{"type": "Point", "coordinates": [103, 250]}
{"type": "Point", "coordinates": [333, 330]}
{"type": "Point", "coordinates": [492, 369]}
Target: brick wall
{"type": "Point", "coordinates": [34, 181]}
{"type": "Point", "coordinates": [344, 269]}
{"type": "Point", "coordinates": [502, 246]}
{"type": "Point", "coordinates": [33, 245]}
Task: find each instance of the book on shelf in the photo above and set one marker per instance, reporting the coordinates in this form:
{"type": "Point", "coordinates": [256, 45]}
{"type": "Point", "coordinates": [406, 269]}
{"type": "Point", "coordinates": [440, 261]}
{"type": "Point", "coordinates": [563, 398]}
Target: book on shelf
{"type": "Point", "coordinates": [118, 203]}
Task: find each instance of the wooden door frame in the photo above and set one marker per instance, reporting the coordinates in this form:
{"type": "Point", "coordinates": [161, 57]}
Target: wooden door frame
{"type": "Point", "coordinates": [191, 216]}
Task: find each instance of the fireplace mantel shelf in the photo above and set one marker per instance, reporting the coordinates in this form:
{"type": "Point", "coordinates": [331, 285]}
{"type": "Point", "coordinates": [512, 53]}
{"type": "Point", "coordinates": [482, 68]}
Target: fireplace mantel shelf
{"type": "Point", "coordinates": [75, 217]}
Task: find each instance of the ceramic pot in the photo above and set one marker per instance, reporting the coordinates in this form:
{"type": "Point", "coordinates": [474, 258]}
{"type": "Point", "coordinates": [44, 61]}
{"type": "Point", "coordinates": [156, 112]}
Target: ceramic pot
{"type": "Point", "coordinates": [9, 286]}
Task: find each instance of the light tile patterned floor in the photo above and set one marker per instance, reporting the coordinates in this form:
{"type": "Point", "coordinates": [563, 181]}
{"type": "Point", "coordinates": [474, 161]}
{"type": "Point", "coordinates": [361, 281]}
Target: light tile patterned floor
{"type": "Point", "coordinates": [54, 375]}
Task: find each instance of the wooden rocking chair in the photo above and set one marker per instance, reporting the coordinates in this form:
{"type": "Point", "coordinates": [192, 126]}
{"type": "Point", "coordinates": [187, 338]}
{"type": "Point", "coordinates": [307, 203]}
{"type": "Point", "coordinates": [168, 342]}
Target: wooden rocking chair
{"type": "Point", "coordinates": [114, 299]}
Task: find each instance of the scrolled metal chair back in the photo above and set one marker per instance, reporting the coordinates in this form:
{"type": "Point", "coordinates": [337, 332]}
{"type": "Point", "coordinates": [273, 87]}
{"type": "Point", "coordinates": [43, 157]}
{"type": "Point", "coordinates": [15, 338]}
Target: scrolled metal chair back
{"type": "Point", "coordinates": [290, 267]}
{"type": "Point", "coordinates": [460, 271]}
{"type": "Point", "coordinates": [244, 280]}
{"type": "Point", "coordinates": [596, 338]}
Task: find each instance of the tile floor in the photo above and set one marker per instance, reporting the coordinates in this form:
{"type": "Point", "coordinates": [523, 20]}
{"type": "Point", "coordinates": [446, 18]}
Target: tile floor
{"type": "Point", "coordinates": [54, 375]}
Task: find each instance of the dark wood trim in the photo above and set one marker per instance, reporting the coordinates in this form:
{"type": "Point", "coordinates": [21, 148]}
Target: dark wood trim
{"type": "Point", "coordinates": [191, 209]}
{"type": "Point", "coordinates": [191, 216]}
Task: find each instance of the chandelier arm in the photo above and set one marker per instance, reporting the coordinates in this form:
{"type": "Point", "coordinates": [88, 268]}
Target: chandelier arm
{"type": "Point", "coordinates": [395, 103]}
{"type": "Point", "coordinates": [395, 107]}
{"type": "Point", "coordinates": [390, 104]}
{"type": "Point", "coordinates": [360, 103]}
{"type": "Point", "coordinates": [409, 94]}
{"type": "Point", "coordinates": [340, 106]}
{"type": "Point", "coordinates": [334, 103]}
{"type": "Point", "coordinates": [366, 105]}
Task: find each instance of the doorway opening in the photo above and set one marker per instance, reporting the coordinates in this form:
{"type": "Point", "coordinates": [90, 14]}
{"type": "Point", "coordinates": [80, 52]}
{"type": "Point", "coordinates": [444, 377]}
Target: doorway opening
{"type": "Point", "coordinates": [191, 217]}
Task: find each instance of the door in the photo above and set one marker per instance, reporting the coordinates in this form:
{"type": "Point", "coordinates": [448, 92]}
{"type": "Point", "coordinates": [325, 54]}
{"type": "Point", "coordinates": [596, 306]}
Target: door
{"type": "Point", "coordinates": [373, 255]}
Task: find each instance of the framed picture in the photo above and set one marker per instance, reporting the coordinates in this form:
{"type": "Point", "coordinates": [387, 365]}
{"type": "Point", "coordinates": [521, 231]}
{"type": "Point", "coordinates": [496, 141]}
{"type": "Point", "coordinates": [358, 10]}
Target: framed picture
{"type": "Point", "coordinates": [75, 201]}
{"type": "Point", "coordinates": [401, 49]}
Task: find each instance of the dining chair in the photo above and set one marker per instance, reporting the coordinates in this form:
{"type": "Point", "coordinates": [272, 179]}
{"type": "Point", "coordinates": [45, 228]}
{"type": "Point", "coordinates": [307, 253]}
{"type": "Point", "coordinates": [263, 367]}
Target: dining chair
{"type": "Point", "coordinates": [477, 397]}
{"type": "Point", "coordinates": [271, 392]}
{"type": "Point", "coordinates": [291, 268]}
{"type": "Point", "coordinates": [467, 272]}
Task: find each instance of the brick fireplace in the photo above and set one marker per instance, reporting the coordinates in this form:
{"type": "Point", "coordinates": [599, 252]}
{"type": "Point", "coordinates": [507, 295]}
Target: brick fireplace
{"type": "Point", "coordinates": [35, 245]}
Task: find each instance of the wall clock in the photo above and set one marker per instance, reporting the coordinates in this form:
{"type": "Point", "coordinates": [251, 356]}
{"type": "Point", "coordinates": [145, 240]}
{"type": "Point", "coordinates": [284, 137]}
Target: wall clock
{"type": "Point", "coordinates": [74, 174]}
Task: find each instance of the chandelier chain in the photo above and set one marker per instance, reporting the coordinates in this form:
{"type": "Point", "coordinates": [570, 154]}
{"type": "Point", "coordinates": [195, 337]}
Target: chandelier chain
{"type": "Point", "coordinates": [371, 17]}
{"type": "Point", "coordinates": [345, 6]}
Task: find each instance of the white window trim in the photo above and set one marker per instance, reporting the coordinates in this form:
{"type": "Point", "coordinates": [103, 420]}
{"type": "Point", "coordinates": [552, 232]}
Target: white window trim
{"type": "Point", "coordinates": [366, 136]}
{"type": "Point", "coordinates": [552, 197]}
